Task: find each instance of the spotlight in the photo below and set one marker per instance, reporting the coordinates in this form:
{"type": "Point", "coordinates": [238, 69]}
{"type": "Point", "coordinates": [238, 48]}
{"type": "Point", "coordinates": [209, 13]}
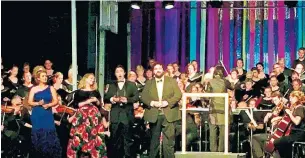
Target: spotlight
{"type": "Point", "coordinates": [135, 5]}
{"type": "Point", "coordinates": [216, 3]}
{"type": "Point", "coordinates": [168, 4]}
{"type": "Point", "coordinates": [291, 4]}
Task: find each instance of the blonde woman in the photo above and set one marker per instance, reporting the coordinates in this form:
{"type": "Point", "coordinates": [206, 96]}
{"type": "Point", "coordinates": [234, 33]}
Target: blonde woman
{"type": "Point", "coordinates": [35, 70]}
{"type": "Point", "coordinates": [87, 131]}
{"type": "Point", "coordinates": [57, 80]}
{"type": "Point", "coordinates": [140, 73]}
{"type": "Point", "coordinates": [44, 137]}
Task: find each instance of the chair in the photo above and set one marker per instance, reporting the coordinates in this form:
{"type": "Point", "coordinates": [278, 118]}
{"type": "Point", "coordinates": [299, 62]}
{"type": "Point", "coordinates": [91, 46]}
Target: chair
{"type": "Point", "coordinates": [298, 149]}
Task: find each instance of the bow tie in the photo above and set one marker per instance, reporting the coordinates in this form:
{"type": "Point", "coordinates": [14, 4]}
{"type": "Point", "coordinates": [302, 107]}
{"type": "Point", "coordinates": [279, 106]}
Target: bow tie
{"type": "Point", "coordinates": [120, 81]}
{"type": "Point", "coordinates": [159, 81]}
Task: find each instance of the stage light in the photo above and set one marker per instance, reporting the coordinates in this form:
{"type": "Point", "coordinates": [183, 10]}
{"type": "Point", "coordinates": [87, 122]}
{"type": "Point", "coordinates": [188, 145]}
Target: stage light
{"type": "Point", "coordinates": [135, 5]}
{"type": "Point", "coordinates": [168, 4]}
{"type": "Point", "coordinates": [216, 3]}
{"type": "Point", "coordinates": [291, 4]}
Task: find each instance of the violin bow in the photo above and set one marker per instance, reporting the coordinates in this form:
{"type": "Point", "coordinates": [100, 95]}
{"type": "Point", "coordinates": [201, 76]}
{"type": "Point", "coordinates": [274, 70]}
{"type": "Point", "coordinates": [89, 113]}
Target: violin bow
{"type": "Point", "coordinates": [286, 92]}
{"type": "Point", "coordinates": [224, 67]}
{"type": "Point", "coordinates": [66, 108]}
{"type": "Point", "coordinates": [2, 121]}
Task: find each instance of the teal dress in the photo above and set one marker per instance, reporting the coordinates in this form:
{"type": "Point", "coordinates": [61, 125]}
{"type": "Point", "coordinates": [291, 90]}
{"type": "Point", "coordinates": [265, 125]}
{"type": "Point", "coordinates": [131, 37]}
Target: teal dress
{"type": "Point", "coordinates": [44, 136]}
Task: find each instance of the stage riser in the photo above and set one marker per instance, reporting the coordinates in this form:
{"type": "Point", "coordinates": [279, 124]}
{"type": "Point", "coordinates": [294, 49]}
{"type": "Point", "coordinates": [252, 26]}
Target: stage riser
{"type": "Point", "coordinates": [209, 155]}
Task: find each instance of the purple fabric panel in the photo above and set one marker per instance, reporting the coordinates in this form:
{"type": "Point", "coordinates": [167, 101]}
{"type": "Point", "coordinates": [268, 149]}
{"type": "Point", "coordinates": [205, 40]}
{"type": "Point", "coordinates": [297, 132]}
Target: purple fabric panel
{"type": "Point", "coordinates": [136, 37]}
{"type": "Point", "coordinates": [216, 33]}
{"type": "Point", "coordinates": [292, 37]}
{"type": "Point", "coordinates": [198, 34]}
{"type": "Point", "coordinates": [281, 29]}
{"type": "Point", "coordinates": [171, 36]}
{"type": "Point", "coordinates": [183, 36]}
{"type": "Point", "coordinates": [270, 36]}
{"type": "Point", "coordinates": [210, 35]}
{"type": "Point", "coordinates": [159, 31]}
{"type": "Point", "coordinates": [226, 37]}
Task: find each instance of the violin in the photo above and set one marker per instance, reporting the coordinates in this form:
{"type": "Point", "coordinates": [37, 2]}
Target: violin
{"type": "Point", "coordinates": [7, 109]}
{"type": "Point", "coordinates": [65, 109]}
{"type": "Point", "coordinates": [281, 106]}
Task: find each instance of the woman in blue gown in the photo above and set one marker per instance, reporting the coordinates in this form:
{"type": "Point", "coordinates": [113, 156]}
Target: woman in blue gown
{"type": "Point", "coordinates": [44, 138]}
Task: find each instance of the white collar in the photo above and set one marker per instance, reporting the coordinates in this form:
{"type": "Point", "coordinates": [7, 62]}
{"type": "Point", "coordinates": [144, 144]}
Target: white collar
{"type": "Point", "coordinates": [159, 79]}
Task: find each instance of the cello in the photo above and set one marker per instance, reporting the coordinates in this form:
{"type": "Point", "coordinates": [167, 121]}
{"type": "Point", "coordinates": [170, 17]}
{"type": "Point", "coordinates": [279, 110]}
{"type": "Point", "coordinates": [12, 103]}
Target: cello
{"type": "Point", "coordinates": [283, 128]}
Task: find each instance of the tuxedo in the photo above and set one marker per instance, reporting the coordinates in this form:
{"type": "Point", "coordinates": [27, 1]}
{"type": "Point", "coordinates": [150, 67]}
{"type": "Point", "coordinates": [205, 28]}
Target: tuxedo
{"type": "Point", "coordinates": [121, 117]}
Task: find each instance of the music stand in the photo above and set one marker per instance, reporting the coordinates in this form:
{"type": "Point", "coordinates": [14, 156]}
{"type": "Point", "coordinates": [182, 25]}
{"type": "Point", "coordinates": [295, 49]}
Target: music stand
{"type": "Point", "coordinates": [201, 111]}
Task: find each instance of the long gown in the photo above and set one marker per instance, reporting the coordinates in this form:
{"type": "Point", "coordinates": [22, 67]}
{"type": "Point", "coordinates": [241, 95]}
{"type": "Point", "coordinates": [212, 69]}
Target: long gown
{"type": "Point", "coordinates": [44, 137]}
{"type": "Point", "coordinates": [86, 135]}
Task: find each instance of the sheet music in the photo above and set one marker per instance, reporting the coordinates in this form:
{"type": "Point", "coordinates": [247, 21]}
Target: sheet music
{"type": "Point", "coordinates": [251, 118]}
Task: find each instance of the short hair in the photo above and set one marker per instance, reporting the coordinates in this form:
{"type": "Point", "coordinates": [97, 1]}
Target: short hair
{"type": "Point", "coordinates": [302, 49]}
{"type": "Point", "coordinates": [297, 80]}
{"type": "Point", "coordinates": [119, 66]}
{"type": "Point", "coordinates": [234, 70]}
{"type": "Point", "coordinates": [26, 64]}
{"type": "Point", "coordinates": [260, 63]}
{"type": "Point", "coordinates": [131, 73]}
{"type": "Point", "coordinates": [273, 76]}
{"type": "Point", "coordinates": [157, 63]}
{"type": "Point", "coordinates": [240, 60]}
{"type": "Point", "coordinates": [56, 75]}
{"type": "Point", "coordinates": [294, 73]}
{"type": "Point", "coordinates": [175, 63]}
{"type": "Point", "coordinates": [139, 68]}
{"type": "Point", "coordinates": [277, 94]}
{"type": "Point", "coordinates": [254, 68]}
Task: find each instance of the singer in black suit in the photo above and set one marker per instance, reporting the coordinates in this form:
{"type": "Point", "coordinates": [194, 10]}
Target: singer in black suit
{"type": "Point", "coordinates": [122, 95]}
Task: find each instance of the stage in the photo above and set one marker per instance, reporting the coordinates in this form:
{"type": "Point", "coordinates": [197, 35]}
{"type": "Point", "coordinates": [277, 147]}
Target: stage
{"type": "Point", "coordinates": [209, 155]}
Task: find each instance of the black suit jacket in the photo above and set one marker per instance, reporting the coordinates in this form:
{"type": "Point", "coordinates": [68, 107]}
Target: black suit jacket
{"type": "Point", "coordinates": [122, 113]}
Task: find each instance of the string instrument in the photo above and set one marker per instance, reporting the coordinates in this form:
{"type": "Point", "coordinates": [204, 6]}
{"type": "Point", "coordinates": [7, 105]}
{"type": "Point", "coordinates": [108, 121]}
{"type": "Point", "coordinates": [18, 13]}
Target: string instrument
{"type": "Point", "coordinates": [7, 109]}
{"type": "Point", "coordinates": [64, 109]}
{"type": "Point", "coordinates": [283, 129]}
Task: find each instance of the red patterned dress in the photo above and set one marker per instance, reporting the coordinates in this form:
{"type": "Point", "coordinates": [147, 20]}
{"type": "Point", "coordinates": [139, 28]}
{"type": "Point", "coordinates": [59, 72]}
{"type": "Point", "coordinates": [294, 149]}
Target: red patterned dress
{"type": "Point", "coordinates": [87, 136]}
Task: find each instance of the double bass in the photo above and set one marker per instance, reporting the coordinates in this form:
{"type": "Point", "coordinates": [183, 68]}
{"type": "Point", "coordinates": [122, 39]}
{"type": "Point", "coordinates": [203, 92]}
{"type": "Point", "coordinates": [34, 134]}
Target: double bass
{"type": "Point", "coordinates": [283, 128]}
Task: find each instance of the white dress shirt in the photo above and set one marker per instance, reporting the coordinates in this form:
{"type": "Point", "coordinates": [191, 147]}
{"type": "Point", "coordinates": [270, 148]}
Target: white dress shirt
{"type": "Point", "coordinates": [159, 83]}
{"type": "Point", "coordinates": [121, 84]}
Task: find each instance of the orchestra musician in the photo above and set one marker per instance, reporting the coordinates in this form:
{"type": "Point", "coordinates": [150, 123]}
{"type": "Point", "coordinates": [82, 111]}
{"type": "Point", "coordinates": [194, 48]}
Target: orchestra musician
{"type": "Point", "coordinates": [122, 95]}
{"type": "Point", "coordinates": [11, 127]}
{"type": "Point", "coordinates": [297, 115]}
{"type": "Point", "coordinates": [24, 89]}
{"type": "Point", "coordinates": [12, 81]}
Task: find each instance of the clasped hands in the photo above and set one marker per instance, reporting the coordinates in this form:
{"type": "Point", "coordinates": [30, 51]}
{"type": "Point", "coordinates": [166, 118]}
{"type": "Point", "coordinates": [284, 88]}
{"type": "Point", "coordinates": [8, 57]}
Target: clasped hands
{"type": "Point", "coordinates": [159, 104]}
{"type": "Point", "coordinates": [41, 103]}
{"type": "Point", "coordinates": [119, 99]}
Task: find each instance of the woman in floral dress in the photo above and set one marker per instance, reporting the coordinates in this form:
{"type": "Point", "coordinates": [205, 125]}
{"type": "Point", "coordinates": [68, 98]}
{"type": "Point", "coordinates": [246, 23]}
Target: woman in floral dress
{"type": "Point", "coordinates": [87, 138]}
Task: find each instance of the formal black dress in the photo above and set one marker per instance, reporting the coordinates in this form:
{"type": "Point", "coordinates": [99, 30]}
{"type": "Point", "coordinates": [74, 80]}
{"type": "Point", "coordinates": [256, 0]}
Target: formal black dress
{"type": "Point", "coordinates": [86, 135]}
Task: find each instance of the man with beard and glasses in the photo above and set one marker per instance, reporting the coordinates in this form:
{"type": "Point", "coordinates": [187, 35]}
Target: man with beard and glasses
{"type": "Point", "coordinates": [122, 95]}
{"type": "Point", "coordinates": [161, 95]}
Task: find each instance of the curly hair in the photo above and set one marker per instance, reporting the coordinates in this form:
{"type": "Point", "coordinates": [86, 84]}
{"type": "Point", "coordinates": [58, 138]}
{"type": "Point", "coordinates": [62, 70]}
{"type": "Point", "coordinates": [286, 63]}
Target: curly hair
{"type": "Point", "coordinates": [82, 82]}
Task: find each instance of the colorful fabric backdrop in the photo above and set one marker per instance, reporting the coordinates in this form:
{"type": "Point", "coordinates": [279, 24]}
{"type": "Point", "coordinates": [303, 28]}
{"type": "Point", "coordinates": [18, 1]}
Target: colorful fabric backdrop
{"type": "Point", "coordinates": [190, 32]}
